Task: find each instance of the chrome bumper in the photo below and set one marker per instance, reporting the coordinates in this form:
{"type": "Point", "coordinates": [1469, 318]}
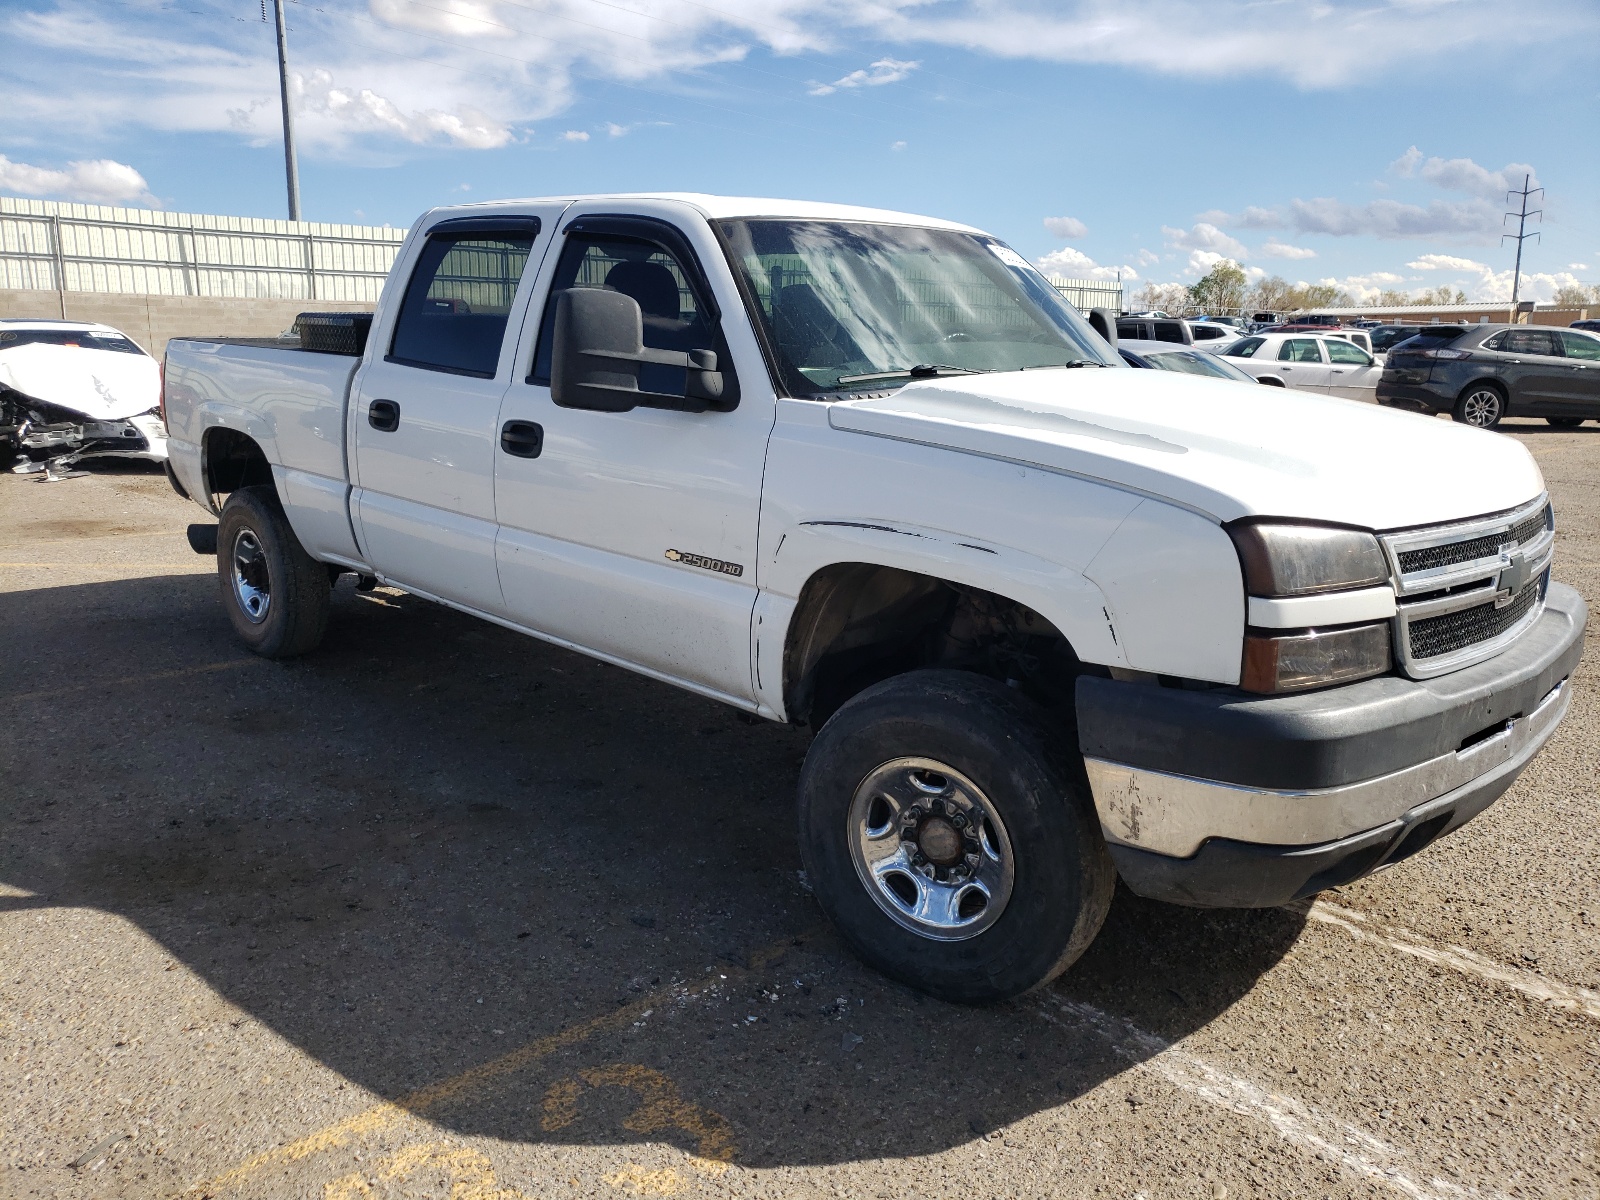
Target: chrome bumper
{"type": "Point", "coordinates": [1175, 814]}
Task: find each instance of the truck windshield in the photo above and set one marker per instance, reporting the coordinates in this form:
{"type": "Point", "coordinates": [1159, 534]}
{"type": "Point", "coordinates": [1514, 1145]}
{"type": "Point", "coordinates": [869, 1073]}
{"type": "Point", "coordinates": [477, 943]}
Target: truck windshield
{"type": "Point", "coordinates": [848, 306]}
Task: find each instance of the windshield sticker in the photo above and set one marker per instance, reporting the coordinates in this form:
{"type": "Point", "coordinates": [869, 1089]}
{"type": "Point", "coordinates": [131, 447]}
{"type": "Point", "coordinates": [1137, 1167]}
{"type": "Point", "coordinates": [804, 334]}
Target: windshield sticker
{"type": "Point", "coordinates": [1010, 257]}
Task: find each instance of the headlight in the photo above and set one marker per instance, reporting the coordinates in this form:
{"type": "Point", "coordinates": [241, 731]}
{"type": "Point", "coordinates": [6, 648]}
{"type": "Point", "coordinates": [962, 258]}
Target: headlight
{"type": "Point", "coordinates": [1283, 560]}
{"type": "Point", "coordinates": [1302, 560]}
{"type": "Point", "coordinates": [1310, 659]}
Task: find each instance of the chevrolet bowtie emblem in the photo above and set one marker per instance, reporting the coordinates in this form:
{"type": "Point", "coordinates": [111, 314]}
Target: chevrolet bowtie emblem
{"type": "Point", "coordinates": [1512, 577]}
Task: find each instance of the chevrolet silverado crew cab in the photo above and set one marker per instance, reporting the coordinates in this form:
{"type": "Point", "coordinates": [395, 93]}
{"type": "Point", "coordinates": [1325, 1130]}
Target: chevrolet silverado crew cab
{"type": "Point", "coordinates": [1054, 621]}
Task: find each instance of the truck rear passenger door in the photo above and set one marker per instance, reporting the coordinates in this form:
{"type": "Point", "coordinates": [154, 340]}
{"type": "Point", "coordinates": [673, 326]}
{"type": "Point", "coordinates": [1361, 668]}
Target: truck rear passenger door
{"type": "Point", "coordinates": [423, 418]}
{"type": "Point", "coordinates": [633, 534]}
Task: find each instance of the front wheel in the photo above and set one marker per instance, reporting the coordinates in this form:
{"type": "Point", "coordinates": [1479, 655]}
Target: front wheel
{"type": "Point", "coordinates": [276, 595]}
{"type": "Point", "coordinates": [1480, 406]}
{"type": "Point", "coordinates": [950, 837]}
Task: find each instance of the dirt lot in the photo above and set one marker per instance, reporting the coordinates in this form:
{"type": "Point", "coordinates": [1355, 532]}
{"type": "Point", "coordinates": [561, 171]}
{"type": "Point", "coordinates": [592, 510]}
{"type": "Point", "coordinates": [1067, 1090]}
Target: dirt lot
{"type": "Point", "coordinates": [443, 912]}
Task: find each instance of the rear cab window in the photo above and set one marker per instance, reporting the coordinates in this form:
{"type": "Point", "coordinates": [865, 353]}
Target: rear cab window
{"type": "Point", "coordinates": [454, 311]}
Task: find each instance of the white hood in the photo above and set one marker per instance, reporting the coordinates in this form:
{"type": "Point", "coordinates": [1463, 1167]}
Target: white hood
{"type": "Point", "coordinates": [103, 385]}
{"type": "Point", "coordinates": [1225, 449]}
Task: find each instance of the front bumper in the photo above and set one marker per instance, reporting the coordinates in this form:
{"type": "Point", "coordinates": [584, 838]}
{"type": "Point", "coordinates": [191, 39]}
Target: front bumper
{"type": "Point", "coordinates": [1220, 799]}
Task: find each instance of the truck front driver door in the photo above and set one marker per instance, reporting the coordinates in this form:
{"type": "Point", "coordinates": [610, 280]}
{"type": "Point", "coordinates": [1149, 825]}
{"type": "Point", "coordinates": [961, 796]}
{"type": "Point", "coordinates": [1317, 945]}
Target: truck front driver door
{"type": "Point", "coordinates": [633, 534]}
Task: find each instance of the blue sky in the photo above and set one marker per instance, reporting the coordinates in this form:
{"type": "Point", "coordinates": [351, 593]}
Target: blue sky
{"type": "Point", "coordinates": [1363, 142]}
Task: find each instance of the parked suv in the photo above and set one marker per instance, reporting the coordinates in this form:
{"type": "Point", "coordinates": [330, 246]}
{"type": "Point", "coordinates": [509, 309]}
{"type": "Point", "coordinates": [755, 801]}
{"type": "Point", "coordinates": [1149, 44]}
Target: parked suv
{"type": "Point", "coordinates": [1481, 373]}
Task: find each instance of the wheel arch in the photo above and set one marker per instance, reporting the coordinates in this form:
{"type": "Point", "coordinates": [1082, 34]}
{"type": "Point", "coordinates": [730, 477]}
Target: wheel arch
{"type": "Point", "coordinates": [856, 623]}
{"type": "Point", "coordinates": [229, 460]}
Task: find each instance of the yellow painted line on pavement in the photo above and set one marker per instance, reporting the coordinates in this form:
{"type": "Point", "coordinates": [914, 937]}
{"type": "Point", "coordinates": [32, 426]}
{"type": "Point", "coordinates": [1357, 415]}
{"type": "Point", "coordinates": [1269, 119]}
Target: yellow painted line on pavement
{"type": "Point", "coordinates": [384, 1116]}
{"type": "Point", "coordinates": [149, 677]}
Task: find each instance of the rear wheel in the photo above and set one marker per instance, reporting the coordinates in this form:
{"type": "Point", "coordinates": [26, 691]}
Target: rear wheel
{"type": "Point", "coordinates": [276, 595]}
{"type": "Point", "coordinates": [1565, 422]}
{"type": "Point", "coordinates": [950, 839]}
{"type": "Point", "coordinates": [1481, 405]}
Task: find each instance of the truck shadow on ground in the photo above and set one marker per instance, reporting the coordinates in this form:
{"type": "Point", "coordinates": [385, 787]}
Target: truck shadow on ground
{"type": "Point", "coordinates": [434, 842]}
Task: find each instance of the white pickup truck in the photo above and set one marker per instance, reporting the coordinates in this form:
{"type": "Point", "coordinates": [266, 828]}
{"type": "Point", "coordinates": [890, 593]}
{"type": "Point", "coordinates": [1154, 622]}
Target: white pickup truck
{"type": "Point", "coordinates": [1054, 621]}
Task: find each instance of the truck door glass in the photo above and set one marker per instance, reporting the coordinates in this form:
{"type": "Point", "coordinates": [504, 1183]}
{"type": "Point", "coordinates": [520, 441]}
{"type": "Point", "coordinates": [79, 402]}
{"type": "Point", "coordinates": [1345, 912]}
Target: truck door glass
{"type": "Point", "coordinates": [674, 318]}
{"type": "Point", "coordinates": [453, 315]}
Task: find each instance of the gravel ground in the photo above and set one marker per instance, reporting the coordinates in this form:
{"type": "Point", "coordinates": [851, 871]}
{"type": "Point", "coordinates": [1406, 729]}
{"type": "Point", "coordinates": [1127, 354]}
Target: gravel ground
{"type": "Point", "coordinates": [440, 911]}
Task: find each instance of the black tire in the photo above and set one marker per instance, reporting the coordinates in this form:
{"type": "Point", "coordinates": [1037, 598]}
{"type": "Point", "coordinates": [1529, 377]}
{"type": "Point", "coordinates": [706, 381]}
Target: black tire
{"type": "Point", "coordinates": [1481, 405]}
{"type": "Point", "coordinates": [1024, 772]}
{"type": "Point", "coordinates": [1565, 422]}
{"type": "Point", "coordinates": [255, 545]}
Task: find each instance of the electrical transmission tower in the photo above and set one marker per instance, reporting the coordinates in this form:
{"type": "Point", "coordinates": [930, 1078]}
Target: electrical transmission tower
{"type": "Point", "coordinates": [1521, 235]}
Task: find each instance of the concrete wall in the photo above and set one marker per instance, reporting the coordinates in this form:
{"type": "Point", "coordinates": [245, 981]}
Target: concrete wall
{"type": "Point", "coordinates": [151, 320]}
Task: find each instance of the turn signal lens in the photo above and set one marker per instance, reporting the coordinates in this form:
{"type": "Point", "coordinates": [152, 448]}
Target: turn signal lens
{"type": "Point", "coordinates": [1301, 560]}
{"type": "Point", "coordinates": [1312, 659]}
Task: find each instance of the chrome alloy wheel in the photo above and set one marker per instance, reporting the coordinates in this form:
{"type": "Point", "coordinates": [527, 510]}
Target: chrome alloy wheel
{"type": "Point", "coordinates": [1482, 407]}
{"type": "Point", "coordinates": [252, 586]}
{"type": "Point", "coordinates": [930, 849]}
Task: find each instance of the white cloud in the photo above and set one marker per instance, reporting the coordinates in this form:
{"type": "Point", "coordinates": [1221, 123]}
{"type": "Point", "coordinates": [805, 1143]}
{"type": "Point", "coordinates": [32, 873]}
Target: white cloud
{"type": "Point", "coordinates": [1466, 220]}
{"type": "Point", "coordinates": [1276, 249]}
{"type": "Point", "coordinates": [1201, 261]}
{"type": "Point", "coordinates": [364, 109]}
{"type": "Point", "coordinates": [1577, 266]}
{"type": "Point", "coordinates": [1146, 257]}
{"type": "Point", "coordinates": [477, 73]}
{"type": "Point", "coordinates": [1445, 262]}
{"type": "Point", "coordinates": [1464, 175]}
{"type": "Point", "coordinates": [1204, 236]}
{"type": "Point", "coordinates": [897, 145]}
{"type": "Point", "coordinates": [575, 135]}
{"type": "Point", "coordinates": [101, 180]}
{"type": "Point", "coordinates": [885, 70]}
{"type": "Point", "coordinates": [1075, 264]}
{"type": "Point", "coordinates": [1066, 227]}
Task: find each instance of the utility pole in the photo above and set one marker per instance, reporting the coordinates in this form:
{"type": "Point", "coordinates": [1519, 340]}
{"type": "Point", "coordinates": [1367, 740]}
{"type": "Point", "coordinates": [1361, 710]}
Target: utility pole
{"type": "Point", "coordinates": [1521, 235]}
{"type": "Point", "coordinates": [290, 165]}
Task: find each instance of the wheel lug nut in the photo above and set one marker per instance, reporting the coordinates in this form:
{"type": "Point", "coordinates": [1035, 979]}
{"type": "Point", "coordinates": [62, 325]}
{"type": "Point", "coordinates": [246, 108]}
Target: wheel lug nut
{"type": "Point", "coordinates": [959, 820]}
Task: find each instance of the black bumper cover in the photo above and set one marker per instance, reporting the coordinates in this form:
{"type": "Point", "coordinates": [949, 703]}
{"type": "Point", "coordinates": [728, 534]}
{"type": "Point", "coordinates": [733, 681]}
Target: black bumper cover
{"type": "Point", "coordinates": [1318, 740]}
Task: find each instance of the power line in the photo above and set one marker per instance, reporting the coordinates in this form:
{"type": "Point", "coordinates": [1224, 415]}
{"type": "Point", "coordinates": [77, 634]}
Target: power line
{"type": "Point", "coordinates": [1522, 234]}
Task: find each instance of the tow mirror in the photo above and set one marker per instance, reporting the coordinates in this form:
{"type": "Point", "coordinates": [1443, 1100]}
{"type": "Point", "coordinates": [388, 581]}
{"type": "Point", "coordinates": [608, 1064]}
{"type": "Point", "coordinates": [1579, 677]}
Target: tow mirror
{"type": "Point", "coordinates": [1104, 322]}
{"type": "Point", "coordinates": [599, 348]}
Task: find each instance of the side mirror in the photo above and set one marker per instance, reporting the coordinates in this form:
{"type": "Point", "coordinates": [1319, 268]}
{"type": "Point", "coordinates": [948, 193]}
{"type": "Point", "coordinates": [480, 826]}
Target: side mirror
{"type": "Point", "coordinates": [599, 348]}
{"type": "Point", "coordinates": [1104, 322]}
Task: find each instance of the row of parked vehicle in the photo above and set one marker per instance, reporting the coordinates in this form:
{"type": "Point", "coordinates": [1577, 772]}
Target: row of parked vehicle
{"type": "Point", "coordinates": [1479, 374]}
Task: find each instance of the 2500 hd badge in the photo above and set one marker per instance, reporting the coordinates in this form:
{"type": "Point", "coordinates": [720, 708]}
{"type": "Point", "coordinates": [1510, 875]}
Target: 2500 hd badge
{"type": "Point", "coordinates": [704, 563]}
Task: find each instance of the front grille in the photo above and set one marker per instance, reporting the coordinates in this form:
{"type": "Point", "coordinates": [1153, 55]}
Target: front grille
{"type": "Point", "coordinates": [1529, 528]}
{"type": "Point", "coordinates": [1448, 632]}
{"type": "Point", "coordinates": [1431, 558]}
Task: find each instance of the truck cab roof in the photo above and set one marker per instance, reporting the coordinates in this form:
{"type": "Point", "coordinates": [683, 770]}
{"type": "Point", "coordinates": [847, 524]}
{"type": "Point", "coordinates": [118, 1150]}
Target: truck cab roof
{"type": "Point", "coordinates": [713, 208]}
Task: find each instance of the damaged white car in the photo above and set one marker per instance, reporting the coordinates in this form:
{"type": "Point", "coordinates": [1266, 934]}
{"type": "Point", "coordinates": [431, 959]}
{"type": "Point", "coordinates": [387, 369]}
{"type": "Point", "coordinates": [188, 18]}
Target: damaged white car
{"type": "Point", "coordinates": [74, 390]}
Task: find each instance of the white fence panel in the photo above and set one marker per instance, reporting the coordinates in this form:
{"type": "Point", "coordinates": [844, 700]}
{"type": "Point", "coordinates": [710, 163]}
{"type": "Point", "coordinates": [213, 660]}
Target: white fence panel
{"type": "Point", "coordinates": [46, 245]}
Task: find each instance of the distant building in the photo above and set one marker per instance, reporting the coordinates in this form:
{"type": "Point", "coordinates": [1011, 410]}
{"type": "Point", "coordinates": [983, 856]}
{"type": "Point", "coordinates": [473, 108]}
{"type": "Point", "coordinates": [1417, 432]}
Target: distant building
{"type": "Point", "coordinates": [1492, 312]}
